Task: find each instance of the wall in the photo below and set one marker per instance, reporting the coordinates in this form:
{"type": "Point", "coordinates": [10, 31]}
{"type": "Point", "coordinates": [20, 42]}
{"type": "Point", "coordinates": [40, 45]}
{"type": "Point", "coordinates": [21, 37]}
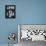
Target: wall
{"type": "Point", "coordinates": [6, 25]}
{"type": "Point", "coordinates": [31, 11]}
{"type": "Point", "coordinates": [27, 12]}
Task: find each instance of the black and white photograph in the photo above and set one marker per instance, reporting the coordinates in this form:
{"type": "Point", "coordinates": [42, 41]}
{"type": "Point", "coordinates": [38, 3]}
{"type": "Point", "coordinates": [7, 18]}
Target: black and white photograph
{"type": "Point", "coordinates": [10, 11]}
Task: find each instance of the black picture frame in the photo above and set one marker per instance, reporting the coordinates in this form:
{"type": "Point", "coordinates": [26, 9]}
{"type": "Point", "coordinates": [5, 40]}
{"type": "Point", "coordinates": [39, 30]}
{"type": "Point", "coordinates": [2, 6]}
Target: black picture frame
{"type": "Point", "coordinates": [10, 11]}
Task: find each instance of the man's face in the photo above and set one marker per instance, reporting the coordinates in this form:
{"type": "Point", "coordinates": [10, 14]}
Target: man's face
{"type": "Point", "coordinates": [11, 13]}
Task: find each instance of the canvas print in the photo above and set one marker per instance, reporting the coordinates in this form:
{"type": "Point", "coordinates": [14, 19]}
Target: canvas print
{"type": "Point", "coordinates": [10, 11]}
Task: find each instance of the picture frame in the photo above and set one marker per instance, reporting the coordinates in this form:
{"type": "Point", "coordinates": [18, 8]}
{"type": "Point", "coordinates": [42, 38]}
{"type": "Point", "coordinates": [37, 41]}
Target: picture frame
{"type": "Point", "coordinates": [10, 11]}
